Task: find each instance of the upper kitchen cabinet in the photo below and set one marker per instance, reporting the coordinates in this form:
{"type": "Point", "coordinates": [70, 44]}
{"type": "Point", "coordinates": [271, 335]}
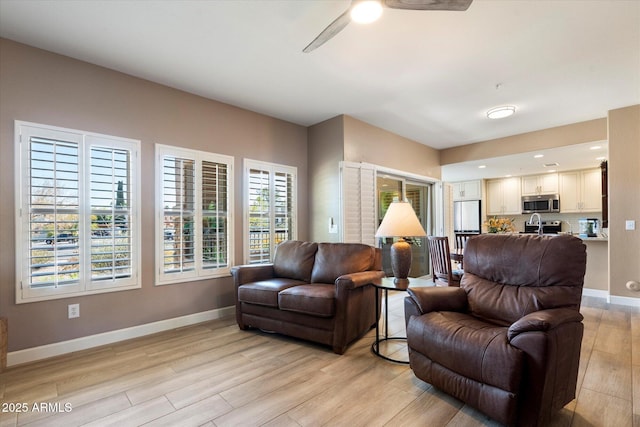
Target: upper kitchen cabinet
{"type": "Point", "coordinates": [534, 185]}
{"type": "Point", "coordinates": [503, 196]}
{"type": "Point", "coordinates": [580, 191]}
{"type": "Point", "coordinates": [467, 190]}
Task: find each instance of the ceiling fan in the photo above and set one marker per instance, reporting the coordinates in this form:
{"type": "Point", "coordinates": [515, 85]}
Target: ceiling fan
{"type": "Point", "coordinates": [341, 21]}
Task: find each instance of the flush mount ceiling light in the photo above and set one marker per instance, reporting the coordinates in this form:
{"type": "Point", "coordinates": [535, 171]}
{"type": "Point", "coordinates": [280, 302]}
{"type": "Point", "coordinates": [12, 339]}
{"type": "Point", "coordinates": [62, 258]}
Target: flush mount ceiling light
{"type": "Point", "coordinates": [501, 112]}
{"type": "Point", "coordinates": [365, 12]}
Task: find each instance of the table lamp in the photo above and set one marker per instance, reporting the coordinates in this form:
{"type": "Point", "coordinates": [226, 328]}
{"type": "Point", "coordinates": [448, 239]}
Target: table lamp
{"type": "Point", "coordinates": [400, 221]}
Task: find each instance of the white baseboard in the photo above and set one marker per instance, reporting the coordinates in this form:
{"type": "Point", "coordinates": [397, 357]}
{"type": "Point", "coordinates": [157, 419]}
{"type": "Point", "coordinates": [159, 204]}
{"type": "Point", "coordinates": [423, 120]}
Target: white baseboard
{"type": "Point", "coordinates": [611, 299]}
{"type": "Point", "coordinates": [50, 350]}
{"type": "Point", "coordinates": [596, 293]}
{"type": "Point", "coordinates": [634, 302]}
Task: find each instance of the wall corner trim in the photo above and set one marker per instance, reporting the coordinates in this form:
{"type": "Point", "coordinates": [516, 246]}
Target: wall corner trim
{"type": "Point", "coordinates": [56, 349]}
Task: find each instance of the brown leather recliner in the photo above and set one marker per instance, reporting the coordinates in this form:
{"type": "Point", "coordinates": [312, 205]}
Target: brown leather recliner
{"type": "Point", "coordinates": [507, 342]}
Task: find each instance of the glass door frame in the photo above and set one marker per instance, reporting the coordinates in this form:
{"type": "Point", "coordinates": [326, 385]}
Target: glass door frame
{"type": "Point", "coordinates": [426, 215]}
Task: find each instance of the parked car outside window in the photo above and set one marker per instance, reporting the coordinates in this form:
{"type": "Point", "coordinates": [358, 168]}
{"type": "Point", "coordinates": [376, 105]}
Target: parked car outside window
{"type": "Point", "coordinates": [62, 237]}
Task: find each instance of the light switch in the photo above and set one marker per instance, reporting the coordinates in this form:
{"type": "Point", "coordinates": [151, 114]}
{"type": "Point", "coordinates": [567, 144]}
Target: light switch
{"type": "Point", "coordinates": [630, 224]}
{"type": "Point", "coordinates": [333, 227]}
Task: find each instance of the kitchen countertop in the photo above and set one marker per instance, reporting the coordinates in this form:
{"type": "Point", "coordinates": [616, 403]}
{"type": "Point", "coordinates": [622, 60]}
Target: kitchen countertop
{"type": "Point", "coordinates": [594, 239]}
{"type": "Point", "coordinates": [586, 239]}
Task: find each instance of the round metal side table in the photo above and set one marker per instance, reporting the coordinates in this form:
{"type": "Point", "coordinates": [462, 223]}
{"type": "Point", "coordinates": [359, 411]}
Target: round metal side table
{"type": "Point", "coordinates": [387, 284]}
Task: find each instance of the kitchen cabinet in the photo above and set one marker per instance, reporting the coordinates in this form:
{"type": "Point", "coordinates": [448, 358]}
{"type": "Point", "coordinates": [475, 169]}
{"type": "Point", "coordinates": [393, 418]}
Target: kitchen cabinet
{"type": "Point", "coordinates": [580, 191]}
{"type": "Point", "coordinates": [540, 184]}
{"type": "Point", "coordinates": [504, 196]}
{"type": "Point", "coordinates": [467, 190]}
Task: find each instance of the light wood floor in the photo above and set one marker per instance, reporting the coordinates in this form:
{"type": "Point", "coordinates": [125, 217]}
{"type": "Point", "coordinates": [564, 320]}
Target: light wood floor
{"type": "Point", "coordinates": [213, 374]}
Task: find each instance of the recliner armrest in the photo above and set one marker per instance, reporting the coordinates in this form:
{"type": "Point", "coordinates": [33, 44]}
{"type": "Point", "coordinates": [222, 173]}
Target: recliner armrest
{"type": "Point", "coordinates": [543, 320]}
{"type": "Point", "coordinates": [439, 298]}
{"type": "Point", "coordinates": [251, 273]}
{"type": "Point", "coordinates": [355, 280]}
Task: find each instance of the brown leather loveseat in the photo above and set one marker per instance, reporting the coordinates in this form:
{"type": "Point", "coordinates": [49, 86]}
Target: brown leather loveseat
{"type": "Point", "coordinates": [507, 341]}
{"type": "Point", "coordinates": [319, 292]}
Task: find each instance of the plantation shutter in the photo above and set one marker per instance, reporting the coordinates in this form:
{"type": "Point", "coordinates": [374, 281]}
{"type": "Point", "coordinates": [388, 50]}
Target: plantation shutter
{"type": "Point", "coordinates": [259, 217]}
{"type": "Point", "coordinates": [194, 215]}
{"type": "Point", "coordinates": [283, 206]}
{"type": "Point", "coordinates": [178, 200]}
{"type": "Point", "coordinates": [358, 203]}
{"type": "Point", "coordinates": [270, 194]}
{"type": "Point", "coordinates": [215, 219]}
{"type": "Point", "coordinates": [111, 214]}
{"type": "Point", "coordinates": [78, 222]}
{"type": "Point", "coordinates": [52, 210]}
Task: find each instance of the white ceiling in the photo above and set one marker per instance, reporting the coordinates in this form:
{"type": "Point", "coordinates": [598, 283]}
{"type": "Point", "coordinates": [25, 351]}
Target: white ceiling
{"type": "Point", "coordinates": [426, 75]}
{"type": "Point", "coordinates": [569, 157]}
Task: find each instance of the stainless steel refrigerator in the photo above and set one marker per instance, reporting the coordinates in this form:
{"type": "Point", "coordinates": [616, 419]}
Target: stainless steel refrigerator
{"type": "Point", "coordinates": [466, 216]}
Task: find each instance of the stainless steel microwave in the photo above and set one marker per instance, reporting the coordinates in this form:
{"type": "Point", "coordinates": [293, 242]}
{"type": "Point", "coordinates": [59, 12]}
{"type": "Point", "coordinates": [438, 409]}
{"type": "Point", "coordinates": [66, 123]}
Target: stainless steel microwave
{"type": "Point", "coordinates": [541, 203]}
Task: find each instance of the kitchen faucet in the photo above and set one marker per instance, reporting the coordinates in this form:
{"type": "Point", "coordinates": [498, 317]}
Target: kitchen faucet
{"type": "Point", "coordinates": [536, 214]}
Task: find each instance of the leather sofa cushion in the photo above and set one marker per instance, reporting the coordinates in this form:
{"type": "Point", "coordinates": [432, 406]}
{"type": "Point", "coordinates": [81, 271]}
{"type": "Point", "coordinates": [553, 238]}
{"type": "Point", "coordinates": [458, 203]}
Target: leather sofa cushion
{"type": "Point", "coordinates": [294, 259]}
{"type": "Point", "coordinates": [469, 346]}
{"type": "Point", "coordinates": [314, 299]}
{"type": "Point", "coordinates": [265, 292]}
{"type": "Point", "coordinates": [336, 259]}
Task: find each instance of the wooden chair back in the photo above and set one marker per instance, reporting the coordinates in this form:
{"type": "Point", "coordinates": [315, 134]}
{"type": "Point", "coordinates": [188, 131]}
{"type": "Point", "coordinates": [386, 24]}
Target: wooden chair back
{"type": "Point", "coordinates": [461, 240]}
{"type": "Point", "coordinates": [441, 262]}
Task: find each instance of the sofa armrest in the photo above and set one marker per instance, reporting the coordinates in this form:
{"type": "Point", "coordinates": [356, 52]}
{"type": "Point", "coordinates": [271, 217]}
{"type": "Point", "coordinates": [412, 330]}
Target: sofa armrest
{"type": "Point", "coordinates": [251, 273]}
{"type": "Point", "coordinates": [355, 280]}
{"type": "Point", "coordinates": [439, 298]}
{"type": "Point", "coordinates": [543, 320]}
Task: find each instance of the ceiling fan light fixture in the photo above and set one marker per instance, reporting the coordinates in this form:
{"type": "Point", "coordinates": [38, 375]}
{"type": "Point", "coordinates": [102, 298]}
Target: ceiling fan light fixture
{"type": "Point", "coordinates": [501, 112]}
{"type": "Point", "coordinates": [365, 12]}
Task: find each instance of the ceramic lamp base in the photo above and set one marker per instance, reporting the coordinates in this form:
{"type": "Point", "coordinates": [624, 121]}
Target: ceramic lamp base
{"type": "Point", "coordinates": [401, 261]}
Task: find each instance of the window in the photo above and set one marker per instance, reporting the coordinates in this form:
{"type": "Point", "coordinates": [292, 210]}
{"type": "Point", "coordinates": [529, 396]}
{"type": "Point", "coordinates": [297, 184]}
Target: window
{"type": "Point", "coordinates": [270, 209]}
{"type": "Point", "coordinates": [194, 216]}
{"type": "Point", "coordinates": [77, 216]}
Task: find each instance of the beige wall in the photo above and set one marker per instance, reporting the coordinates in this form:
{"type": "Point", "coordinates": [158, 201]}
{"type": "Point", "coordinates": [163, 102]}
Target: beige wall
{"type": "Point", "coordinates": [326, 151]}
{"type": "Point", "coordinates": [577, 133]}
{"type": "Point", "coordinates": [344, 138]}
{"type": "Point", "coordinates": [369, 144]}
{"type": "Point", "coordinates": [43, 87]}
{"type": "Point", "coordinates": [624, 199]}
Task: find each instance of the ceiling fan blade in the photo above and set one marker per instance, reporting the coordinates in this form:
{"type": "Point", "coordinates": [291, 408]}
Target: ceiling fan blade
{"type": "Point", "coordinates": [457, 5]}
{"type": "Point", "coordinates": [334, 28]}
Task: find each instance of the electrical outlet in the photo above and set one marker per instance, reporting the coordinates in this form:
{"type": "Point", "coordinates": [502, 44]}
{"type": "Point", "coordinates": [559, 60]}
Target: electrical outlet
{"type": "Point", "coordinates": [629, 224]}
{"type": "Point", "coordinates": [74, 310]}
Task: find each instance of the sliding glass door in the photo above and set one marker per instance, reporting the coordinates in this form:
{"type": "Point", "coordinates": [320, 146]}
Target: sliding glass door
{"type": "Point", "coordinates": [419, 194]}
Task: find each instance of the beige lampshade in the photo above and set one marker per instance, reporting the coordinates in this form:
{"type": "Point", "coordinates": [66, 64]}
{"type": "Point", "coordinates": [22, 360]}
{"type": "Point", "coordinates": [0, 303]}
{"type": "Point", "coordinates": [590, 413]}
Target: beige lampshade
{"type": "Point", "coordinates": [400, 221]}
